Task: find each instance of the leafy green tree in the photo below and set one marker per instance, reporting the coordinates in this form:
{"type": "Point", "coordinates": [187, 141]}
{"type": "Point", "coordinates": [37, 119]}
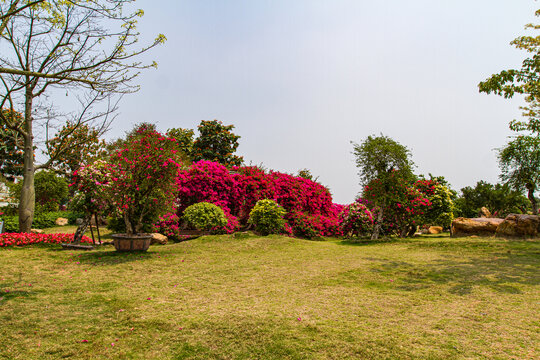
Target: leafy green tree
{"type": "Point", "coordinates": [75, 146]}
{"type": "Point", "coordinates": [441, 198]}
{"type": "Point", "coordinates": [526, 80]}
{"type": "Point", "coordinates": [500, 199]}
{"type": "Point", "coordinates": [11, 153]}
{"type": "Point", "coordinates": [520, 166]}
{"type": "Point", "coordinates": [51, 190]}
{"type": "Point", "coordinates": [216, 142]}
{"type": "Point", "coordinates": [184, 139]}
{"type": "Point", "coordinates": [88, 48]}
{"type": "Point", "coordinates": [382, 160]}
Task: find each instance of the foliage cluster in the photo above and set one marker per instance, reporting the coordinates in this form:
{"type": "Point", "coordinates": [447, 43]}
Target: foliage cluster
{"type": "Point", "coordinates": [205, 216]}
{"type": "Point", "coordinates": [236, 192]}
{"type": "Point", "coordinates": [499, 199]}
{"type": "Point", "coordinates": [51, 191]}
{"type": "Point", "coordinates": [267, 217]}
{"type": "Point", "coordinates": [137, 180]}
{"type": "Point", "coordinates": [356, 220]}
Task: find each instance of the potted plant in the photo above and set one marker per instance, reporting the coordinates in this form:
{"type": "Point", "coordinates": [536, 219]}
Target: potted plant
{"type": "Point", "coordinates": [139, 181]}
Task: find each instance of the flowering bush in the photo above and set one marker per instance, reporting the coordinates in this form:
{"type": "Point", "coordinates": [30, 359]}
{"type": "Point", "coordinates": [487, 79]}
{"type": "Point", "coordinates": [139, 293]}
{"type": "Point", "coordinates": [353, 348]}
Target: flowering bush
{"type": "Point", "coordinates": [398, 204]}
{"type": "Point", "coordinates": [20, 239]}
{"type": "Point", "coordinates": [205, 216]}
{"type": "Point", "coordinates": [307, 203]}
{"type": "Point", "coordinates": [356, 220]}
{"type": "Point", "coordinates": [139, 179]}
{"type": "Point", "coordinates": [441, 209]}
{"type": "Point", "coordinates": [267, 216]}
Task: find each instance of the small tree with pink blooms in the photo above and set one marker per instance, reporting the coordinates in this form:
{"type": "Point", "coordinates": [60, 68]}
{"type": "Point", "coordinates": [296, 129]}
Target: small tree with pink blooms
{"type": "Point", "coordinates": [141, 177]}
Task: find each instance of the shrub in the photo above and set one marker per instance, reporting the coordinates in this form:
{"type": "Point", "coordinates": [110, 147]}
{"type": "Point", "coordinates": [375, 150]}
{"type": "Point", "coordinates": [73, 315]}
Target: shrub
{"type": "Point", "coordinates": [356, 220]}
{"type": "Point", "coordinates": [11, 223]}
{"type": "Point", "coordinates": [51, 191]}
{"type": "Point", "coordinates": [205, 216]}
{"type": "Point", "coordinates": [267, 217]}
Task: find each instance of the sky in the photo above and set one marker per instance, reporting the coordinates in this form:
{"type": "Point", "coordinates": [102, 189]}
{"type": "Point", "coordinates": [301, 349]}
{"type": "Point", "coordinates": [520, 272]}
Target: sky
{"type": "Point", "coordinates": [301, 79]}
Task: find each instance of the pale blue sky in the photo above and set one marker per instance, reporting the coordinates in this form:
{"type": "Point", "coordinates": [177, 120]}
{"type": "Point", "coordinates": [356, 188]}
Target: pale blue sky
{"type": "Point", "coordinates": [300, 79]}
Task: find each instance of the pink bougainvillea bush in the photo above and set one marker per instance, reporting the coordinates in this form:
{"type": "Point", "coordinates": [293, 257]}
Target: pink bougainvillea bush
{"type": "Point", "coordinates": [356, 219]}
{"type": "Point", "coordinates": [21, 239]}
{"type": "Point", "coordinates": [138, 180]}
{"type": "Point", "coordinates": [310, 211]}
{"type": "Point", "coordinates": [402, 204]}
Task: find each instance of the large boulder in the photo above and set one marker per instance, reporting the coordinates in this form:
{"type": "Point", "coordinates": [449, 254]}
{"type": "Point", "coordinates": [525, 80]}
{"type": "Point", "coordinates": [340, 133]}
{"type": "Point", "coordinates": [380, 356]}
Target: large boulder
{"type": "Point", "coordinates": [158, 238]}
{"type": "Point", "coordinates": [61, 221]}
{"type": "Point", "coordinates": [519, 225]}
{"type": "Point", "coordinates": [475, 226]}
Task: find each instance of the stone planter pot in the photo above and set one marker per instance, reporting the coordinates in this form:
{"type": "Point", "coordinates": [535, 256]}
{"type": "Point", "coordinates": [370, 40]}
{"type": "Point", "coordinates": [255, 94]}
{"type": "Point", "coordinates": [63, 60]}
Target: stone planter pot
{"type": "Point", "coordinates": [135, 242]}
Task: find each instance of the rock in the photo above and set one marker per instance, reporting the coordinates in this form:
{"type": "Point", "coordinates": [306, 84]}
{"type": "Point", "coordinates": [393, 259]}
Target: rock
{"type": "Point", "coordinates": [36, 231]}
{"type": "Point", "coordinates": [475, 226]}
{"type": "Point", "coordinates": [519, 225]}
{"type": "Point", "coordinates": [435, 230]}
{"type": "Point", "coordinates": [79, 221]}
{"type": "Point", "coordinates": [61, 221]}
{"type": "Point", "coordinates": [485, 213]}
{"type": "Point", "coordinates": [159, 239]}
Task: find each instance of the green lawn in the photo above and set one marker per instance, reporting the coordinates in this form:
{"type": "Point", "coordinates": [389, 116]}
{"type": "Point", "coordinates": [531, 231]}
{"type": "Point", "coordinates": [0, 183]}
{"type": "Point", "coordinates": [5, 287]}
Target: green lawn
{"type": "Point", "coordinates": [225, 297]}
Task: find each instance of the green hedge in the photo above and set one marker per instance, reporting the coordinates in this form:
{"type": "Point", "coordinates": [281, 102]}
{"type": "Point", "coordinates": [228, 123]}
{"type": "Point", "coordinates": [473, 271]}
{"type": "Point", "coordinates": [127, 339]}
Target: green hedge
{"type": "Point", "coordinates": [41, 220]}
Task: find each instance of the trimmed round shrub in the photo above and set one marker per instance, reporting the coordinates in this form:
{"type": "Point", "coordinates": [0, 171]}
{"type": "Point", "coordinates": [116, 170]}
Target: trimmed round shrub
{"type": "Point", "coordinates": [267, 217]}
{"type": "Point", "coordinates": [205, 216]}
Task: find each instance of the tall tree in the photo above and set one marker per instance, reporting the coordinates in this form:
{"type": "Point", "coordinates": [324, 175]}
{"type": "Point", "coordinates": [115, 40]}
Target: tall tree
{"type": "Point", "coordinates": [216, 142]}
{"type": "Point", "coordinates": [382, 159]}
{"type": "Point", "coordinates": [526, 80]}
{"type": "Point", "coordinates": [86, 48]}
{"type": "Point", "coordinates": [520, 166]}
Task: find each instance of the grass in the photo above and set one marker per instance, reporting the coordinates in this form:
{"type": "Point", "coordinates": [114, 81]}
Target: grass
{"type": "Point", "coordinates": [248, 297]}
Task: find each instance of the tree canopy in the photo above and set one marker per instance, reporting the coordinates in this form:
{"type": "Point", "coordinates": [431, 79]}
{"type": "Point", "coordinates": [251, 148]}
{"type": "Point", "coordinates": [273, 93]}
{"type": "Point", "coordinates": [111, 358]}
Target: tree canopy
{"type": "Point", "coordinates": [86, 48]}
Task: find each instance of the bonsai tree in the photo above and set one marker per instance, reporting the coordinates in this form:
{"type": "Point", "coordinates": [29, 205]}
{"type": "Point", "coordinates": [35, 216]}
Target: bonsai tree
{"type": "Point", "coordinates": [141, 179]}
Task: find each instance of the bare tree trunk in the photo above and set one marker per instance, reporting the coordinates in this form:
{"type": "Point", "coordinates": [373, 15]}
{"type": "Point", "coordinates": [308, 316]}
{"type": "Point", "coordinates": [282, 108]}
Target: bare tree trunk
{"type": "Point", "coordinates": [377, 228]}
{"type": "Point", "coordinates": [532, 199]}
{"type": "Point", "coordinates": [27, 201]}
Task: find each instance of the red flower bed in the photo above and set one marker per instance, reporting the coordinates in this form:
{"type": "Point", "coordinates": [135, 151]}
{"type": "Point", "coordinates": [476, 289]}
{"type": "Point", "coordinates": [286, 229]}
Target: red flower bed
{"type": "Point", "coordinates": [21, 239]}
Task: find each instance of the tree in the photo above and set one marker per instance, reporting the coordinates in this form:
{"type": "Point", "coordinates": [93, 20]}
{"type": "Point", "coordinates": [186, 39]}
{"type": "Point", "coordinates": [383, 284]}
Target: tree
{"type": "Point", "coordinates": [521, 81]}
{"type": "Point", "coordinates": [441, 210]}
{"type": "Point", "coordinates": [11, 153]}
{"type": "Point", "coordinates": [184, 139]}
{"type": "Point", "coordinates": [64, 45]}
{"type": "Point", "coordinates": [51, 190]}
{"type": "Point", "coordinates": [75, 146]}
{"type": "Point", "coordinates": [11, 9]}
{"type": "Point", "coordinates": [385, 160]}
{"type": "Point", "coordinates": [216, 142]}
{"type": "Point", "coordinates": [500, 199]}
{"type": "Point", "coordinates": [520, 166]}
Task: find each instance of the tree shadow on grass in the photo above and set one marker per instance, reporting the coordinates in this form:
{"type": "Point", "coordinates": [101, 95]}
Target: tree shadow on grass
{"type": "Point", "coordinates": [10, 290]}
{"type": "Point", "coordinates": [502, 273]}
{"type": "Point", "coordinates": [101, 258]}
{"type": "Point", "coordinates": [368, 242]}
